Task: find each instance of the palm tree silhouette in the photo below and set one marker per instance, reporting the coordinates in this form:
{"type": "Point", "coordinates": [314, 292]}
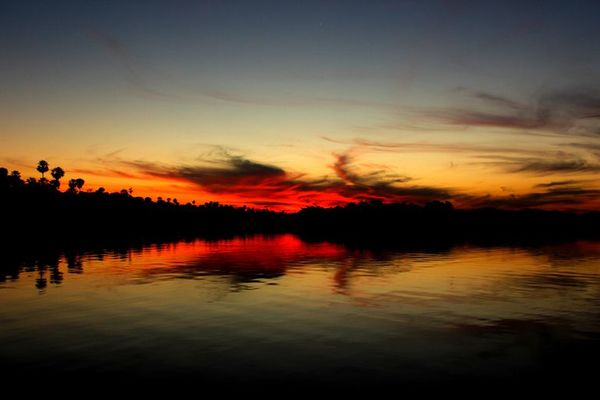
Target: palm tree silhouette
{"type": "Point", "coordinates": [42, 167]}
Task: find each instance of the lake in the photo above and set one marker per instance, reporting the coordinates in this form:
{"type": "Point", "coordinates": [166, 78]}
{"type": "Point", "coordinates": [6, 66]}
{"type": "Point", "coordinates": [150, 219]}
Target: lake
{"type": "Point", "coordinates": [276, 309]}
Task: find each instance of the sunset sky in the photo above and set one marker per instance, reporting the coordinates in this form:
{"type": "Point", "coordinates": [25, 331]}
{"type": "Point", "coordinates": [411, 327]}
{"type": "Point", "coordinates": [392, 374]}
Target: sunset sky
{"type": "Point", "coordinates": [285, 104]}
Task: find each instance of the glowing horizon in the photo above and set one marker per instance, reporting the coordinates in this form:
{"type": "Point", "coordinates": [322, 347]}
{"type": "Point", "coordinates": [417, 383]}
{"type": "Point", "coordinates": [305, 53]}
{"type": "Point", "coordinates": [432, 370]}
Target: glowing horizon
{"type": "Point", "coordinates": [285, 106]}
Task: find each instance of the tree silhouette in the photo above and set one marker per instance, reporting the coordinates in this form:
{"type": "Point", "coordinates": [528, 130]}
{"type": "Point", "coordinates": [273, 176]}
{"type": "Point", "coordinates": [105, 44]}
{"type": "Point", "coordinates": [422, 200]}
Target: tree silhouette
{"type": "Point", "coordinates": [4, 180]}
{"type": "Point", "coordinates": [14, 179]}
{"type": "Point", "coordinates": [57, 173]}
{"type": "Point", "coordinates": [79, 183]}
{"type": "Point", "coordinates": [42, 167]}
{"type": "Point", "coordinates": [75, 185]}
{"type": "Point", "coordinates": [72, 186]}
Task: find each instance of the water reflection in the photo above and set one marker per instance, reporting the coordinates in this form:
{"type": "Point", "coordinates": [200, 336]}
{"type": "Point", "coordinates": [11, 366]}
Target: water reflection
{"type": "Point", "coordinates": [45, 267]}
{"type": "Point", "coordinates": [279, 308]}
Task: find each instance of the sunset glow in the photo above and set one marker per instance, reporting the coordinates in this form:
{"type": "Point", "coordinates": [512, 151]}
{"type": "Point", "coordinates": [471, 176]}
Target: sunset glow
{"type": "Point", "coordinates": [271, 196]}
{"type": "Point", "coordinates": [316, 103]}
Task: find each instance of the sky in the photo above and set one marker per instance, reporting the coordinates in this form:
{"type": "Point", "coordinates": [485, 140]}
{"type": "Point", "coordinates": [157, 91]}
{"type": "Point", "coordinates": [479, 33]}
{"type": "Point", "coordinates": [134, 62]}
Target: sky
{"type": "Point", "coordinates": [285, 105]}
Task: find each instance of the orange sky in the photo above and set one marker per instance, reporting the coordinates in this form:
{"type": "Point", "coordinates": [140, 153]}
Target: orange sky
{"type": "Point", "coordinates": [310, 104]}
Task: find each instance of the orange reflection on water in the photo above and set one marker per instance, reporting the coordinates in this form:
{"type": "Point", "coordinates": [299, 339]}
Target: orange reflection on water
{"type": "Point", "coordinates": [254, 253]}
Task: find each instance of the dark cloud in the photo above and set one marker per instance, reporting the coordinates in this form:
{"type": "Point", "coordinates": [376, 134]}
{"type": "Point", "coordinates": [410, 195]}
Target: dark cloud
{"type": "Point", "coordinates": [573, 191]}
{"type": "Point", "coordinates": [266, 184]}
{"type": "Point", "coordinates": [573, 165]}
{"type": "Point", "coordinates": [478, 118]}
{"type": "Point", "coordinates": [340, 167]}
{"type": "Point", "coordinates": [567, 112]}
{"type": "Point", "coordinates": [498, 100]}
{"type": "Point", "coordinates": [343, 169]}
{"type": "Point", "coordinates": [554, 163]}
{"type": "Point", "coordinates": [556, 197]}
{"type": "Point", "coordinates": [381, 185]}
{"type": "Point", "coordinates": [387, 192]}
{"type": "Point", "coordinates": [590, 147]}
{"type": "Point", "coordinates": [226, 175]}
{"type": "Point", "coordinates": [558, 183]}
{"type": "Point", "coordinates": [263, 184]}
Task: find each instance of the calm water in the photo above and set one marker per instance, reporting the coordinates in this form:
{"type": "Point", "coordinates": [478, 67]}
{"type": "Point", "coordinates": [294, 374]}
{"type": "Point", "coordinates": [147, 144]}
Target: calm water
{"type": "Point", "coordinates": [277, 309]}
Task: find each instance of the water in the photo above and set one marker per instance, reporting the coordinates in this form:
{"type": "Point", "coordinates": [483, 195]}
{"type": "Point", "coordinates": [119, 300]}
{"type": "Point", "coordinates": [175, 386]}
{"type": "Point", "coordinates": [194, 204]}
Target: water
{"type": "Point", "coordinates": [277, 309]}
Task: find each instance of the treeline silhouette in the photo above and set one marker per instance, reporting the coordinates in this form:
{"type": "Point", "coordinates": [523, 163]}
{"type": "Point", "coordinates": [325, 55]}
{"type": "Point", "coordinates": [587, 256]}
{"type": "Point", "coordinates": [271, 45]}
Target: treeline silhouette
{"type": "Point", "coordinates": [37, 210]}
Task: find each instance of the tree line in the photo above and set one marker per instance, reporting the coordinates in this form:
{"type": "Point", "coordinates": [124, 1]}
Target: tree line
{"type": "Point", "coordinates": [37, 208]}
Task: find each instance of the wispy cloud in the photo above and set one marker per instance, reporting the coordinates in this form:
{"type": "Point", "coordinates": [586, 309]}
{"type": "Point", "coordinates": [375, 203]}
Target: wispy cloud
{"type": "Point", "coordinates": [559, 163]}
{"type": "Point", "coordinates": [554, 197]}
{"type": "Point", "coordinates": [133, 68]}
{"type": "Point", "coordinates": [500, 101]}
{"type": "Point", "coordinates": [568, 182]}
{"type": "Point", "coordinates": [429, 147]}
{"type": "Point", "coordinates": [571, 111]}
{"type": "Point", "coordinates": [340, 167]}
{"type": "Point", "coordinates": [577, 158]}
{"type": "Point", "coordinates": [136, 74]}
{"type": "Point", "coordinates": [290, 100]}
{"type": "Point", "coordinates": [233, 174]}
{"type": "Point", "coordinates": [486, 119]}
{"type": "Point", "coordinates": [573, 165]}
{"type": "Point", "coordinates": [107, 172]}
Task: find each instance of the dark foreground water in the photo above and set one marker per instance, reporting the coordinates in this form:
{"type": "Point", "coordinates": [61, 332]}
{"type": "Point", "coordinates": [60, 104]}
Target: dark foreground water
{"type": "Point", "coordinates": [277, 310]}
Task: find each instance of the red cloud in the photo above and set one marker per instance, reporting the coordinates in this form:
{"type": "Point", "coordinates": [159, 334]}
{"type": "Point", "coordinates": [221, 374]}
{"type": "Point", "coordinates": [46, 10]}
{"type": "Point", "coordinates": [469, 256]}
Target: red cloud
{"type": "Point", "coordinates": [261, 184]}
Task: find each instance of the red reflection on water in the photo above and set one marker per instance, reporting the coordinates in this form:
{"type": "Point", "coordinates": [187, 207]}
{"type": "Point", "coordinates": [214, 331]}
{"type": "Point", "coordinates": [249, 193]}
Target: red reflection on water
{"type": "Point", "coordinates": [256, 253]}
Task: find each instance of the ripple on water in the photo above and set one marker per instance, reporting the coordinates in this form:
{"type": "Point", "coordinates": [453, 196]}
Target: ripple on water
{"type": "Point", "coordinates": [281, 307]}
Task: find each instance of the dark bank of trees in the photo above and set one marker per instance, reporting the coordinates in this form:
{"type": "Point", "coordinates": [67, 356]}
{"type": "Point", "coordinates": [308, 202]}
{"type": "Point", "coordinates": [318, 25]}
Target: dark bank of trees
{"type": "Point", "coordinates": [438, 224]}
{"type": "Point", "coordinates": [36, 210]}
